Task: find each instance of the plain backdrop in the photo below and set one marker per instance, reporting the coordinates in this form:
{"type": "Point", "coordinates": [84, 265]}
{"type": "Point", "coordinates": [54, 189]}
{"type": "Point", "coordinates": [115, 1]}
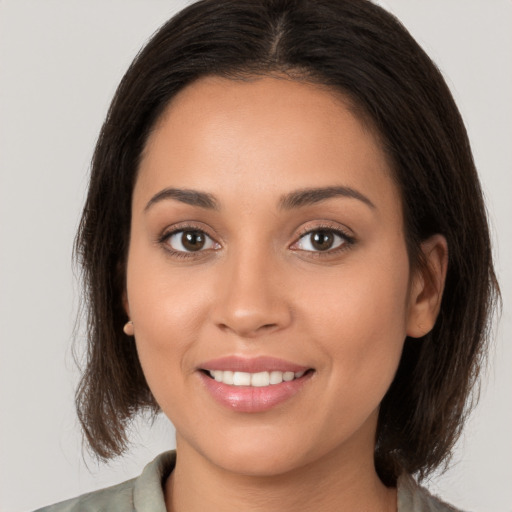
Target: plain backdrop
{"type": "Point", "coordinates": [60, 62]}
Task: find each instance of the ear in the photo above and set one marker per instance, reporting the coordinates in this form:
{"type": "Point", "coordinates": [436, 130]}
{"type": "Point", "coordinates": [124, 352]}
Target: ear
{"type": "Point", "coordinates": [427, 287]}
{"type": "Point", "coordinates": [128, 326]}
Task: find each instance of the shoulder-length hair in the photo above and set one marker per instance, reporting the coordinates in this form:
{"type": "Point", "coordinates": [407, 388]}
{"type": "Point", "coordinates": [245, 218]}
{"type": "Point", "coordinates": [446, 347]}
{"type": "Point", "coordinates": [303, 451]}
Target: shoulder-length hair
{"type": "Point", "coordinates": [362, 51]}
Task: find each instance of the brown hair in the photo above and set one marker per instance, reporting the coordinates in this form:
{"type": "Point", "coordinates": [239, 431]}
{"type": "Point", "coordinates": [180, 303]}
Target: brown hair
{"type": "Point", "coordinates": [361, 50]}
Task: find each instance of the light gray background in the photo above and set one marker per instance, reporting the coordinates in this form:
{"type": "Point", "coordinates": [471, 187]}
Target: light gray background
{"type": "Point", "coordinates": [60, 61]}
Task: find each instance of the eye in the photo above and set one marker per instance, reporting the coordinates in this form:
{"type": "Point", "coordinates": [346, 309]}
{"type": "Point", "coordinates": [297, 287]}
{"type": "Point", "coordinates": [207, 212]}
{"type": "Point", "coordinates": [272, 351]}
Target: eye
{"type": "Point", "coordinates": [189, 240]}
{"type": "Point", "coordinates": [322, 240]}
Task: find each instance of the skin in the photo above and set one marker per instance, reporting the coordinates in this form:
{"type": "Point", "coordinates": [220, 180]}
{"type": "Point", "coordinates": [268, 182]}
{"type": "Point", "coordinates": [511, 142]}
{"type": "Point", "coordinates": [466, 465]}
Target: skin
{"type": "Point", "coordinates": [260, 288]}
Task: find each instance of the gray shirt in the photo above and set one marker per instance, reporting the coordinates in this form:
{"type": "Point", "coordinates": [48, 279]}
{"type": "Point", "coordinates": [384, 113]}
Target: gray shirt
{"type": "Point", "coordinates": [145, 494]}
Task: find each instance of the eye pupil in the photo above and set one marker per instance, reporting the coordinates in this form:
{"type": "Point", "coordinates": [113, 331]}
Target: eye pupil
{"type": "Point", "coordinates": [322, 240]}
{"type": "Point", "coordinates": [193, 240]}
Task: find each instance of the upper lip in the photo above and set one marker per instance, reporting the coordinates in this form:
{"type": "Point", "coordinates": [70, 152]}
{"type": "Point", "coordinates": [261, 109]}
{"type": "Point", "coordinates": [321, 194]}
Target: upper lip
{"type": "Point", "coordinates": [252, 364]}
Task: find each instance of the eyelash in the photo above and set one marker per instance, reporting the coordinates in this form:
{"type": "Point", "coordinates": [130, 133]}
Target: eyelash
{"type": "Point", "coordinates": [183, 228]}
{"type": "Point", "coordinates": [347, 242]}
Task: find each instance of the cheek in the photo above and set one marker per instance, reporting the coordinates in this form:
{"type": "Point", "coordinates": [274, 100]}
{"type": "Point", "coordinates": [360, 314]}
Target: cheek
{"type": "Point", "coordinates": [160, 295]}
{"type": "Point", "coordinates": [367, 295]}
{"type": "Point", "coordinates": [359, 320]}
{"type": "Point", "coordinates": [165, 308]}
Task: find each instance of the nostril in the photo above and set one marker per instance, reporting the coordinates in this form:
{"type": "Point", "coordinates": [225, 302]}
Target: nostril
{"type": "Point", "coordinates": [247, 329]}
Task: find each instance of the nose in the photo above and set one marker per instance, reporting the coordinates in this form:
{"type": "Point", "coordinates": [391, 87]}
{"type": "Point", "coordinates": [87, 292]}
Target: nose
{"type": "Point", "coordinates": [251, 298]}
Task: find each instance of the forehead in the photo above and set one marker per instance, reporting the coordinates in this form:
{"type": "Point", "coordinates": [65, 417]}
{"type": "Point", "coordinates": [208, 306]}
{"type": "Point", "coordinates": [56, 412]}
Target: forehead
{"type": "Point", "coordinates": [266, 134]}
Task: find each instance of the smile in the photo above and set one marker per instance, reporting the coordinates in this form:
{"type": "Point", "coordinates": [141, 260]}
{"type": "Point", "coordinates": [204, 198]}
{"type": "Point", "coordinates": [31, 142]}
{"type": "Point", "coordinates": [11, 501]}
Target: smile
{"type": "Point", "coordinates": [253, 385]}
{"type": "Point", "coordinates": [259, 379]}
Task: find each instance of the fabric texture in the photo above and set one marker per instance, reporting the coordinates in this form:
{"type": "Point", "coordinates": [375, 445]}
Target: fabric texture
{"type": "Point", "coordinates": [145, 494]}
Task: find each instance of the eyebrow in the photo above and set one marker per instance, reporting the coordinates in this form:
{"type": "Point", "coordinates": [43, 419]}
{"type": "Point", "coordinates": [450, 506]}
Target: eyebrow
{"type": "Point", "coordinates": [290, 201]}
{"type": "Point", "coordinates": [191, 197]}
{"type": "Point", "coordinates": [309, 196]}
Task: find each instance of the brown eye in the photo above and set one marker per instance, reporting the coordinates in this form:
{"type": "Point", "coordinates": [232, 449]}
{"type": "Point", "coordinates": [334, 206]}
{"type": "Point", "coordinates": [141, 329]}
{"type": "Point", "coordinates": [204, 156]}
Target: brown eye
{"type": "Point", "coordinates": [189, 241]}
{"type": "Point", "coordinates": [321, 240]}
{"type": "Point", "coordinates": [192, 240]}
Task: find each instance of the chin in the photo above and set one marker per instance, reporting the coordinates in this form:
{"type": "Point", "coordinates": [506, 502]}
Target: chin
{"type": "Point", "coordinates": [258, 454]}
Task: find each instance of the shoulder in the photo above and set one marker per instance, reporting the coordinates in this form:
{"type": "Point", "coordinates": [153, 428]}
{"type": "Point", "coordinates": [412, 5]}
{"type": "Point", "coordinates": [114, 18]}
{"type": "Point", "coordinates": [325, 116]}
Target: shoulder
{"type": "Point", "coordinates": [140, 494]}
{"type": "Point", "coordinates": [118, 497]}
{"type": "Point", "coordinates": [414, 498]}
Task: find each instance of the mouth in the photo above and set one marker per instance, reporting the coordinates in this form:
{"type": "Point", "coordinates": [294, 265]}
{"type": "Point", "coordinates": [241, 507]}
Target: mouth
{"type": "Point", "coordinates": [257, 380]}
{"type": "Point", "coordinates": [253, 384]}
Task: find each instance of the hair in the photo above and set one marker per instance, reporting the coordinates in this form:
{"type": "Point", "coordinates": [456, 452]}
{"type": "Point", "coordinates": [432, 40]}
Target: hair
{"type": "Point", "coordinates": [356, 48]}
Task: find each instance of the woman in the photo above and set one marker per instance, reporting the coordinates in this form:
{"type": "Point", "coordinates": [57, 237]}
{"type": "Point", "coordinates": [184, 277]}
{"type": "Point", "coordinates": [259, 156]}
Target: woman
{"type": "Point", "coordinates": [285, 250]}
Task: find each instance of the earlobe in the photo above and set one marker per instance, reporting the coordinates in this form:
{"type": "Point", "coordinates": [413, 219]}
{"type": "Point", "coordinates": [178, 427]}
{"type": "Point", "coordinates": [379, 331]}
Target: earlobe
{"type": "Point", "coordinates": [427, 287]}
{"type": "Point", "coordinates": [128, 328]}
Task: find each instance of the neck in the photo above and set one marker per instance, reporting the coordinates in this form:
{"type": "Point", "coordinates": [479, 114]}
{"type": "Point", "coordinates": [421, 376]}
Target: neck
{"type": "Point", "coordinates": [330, 483]}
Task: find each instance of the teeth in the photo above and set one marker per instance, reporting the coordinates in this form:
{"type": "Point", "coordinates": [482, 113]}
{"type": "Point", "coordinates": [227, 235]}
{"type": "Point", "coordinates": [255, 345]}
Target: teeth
{"type": "Point", "coordinates": [276, 377]}
{"type": "Point", "coordinates": [241, 379]}
{"type": "Point", "coordinates": [260, 379]}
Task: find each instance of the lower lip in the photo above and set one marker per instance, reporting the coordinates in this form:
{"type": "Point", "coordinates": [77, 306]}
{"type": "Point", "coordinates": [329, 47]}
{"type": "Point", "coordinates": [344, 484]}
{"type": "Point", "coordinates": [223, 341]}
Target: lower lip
{"type": "Point", "coordinates": [253, 399]}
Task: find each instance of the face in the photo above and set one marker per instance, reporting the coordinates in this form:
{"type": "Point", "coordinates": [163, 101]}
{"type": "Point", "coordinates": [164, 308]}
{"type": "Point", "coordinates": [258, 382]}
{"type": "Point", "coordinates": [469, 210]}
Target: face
{"type": "Point", "coordinates": [267, 279]}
